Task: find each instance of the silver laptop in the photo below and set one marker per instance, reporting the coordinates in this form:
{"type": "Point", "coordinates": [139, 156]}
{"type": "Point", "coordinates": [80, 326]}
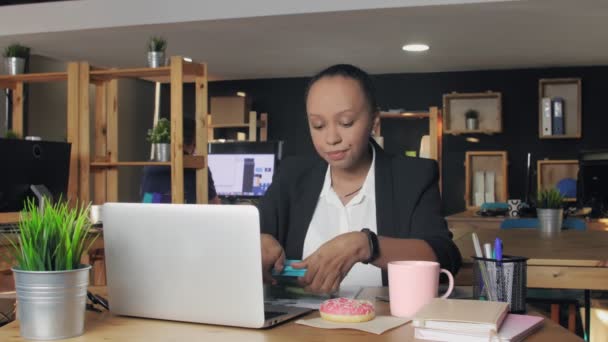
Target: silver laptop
{"type": "Point", "coordinates": [194, 263]}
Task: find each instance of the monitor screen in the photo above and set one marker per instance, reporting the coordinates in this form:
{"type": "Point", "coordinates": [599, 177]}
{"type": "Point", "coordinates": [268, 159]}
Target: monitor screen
{"type": "Point", "coordinates": [243, 169]}
{"type": "Point", "coordinates": [26, 163]}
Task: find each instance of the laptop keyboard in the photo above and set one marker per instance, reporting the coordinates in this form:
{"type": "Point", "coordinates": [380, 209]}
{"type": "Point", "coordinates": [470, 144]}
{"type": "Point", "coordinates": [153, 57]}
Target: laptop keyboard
{"type": "Point", "coordinates": [273, 314]}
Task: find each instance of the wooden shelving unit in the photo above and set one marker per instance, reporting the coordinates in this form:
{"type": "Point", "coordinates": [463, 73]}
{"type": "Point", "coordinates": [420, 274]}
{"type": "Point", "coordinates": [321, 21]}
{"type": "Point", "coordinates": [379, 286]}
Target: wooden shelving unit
{"type": "Point", "coordinates": [435, 118]}
{"type": "Point", "coordinates": [16, 84]}
{"type": "Point", "coordinates": [435, 122]}
{"type": "Point", "coordinates": [494, 161]}
{"type": "Point", "coordinates": [9, 217]}
{"type": "Point", "coordinates": [253, 126]}
{"type": "Point", "coordinates": [105, 162]}
{"type": "Point", "coordinates": [550, 172]}
{"type": "Point", "coordinates": [488, 105]}
{"type": "Point", "coordinates": [568, 89]}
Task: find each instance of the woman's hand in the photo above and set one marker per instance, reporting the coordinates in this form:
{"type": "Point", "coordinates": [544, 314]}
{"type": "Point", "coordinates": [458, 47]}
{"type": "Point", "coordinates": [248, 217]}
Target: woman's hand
{"type": "Point", "coordinates": [273, 256]}
{"type": "Point", "coordinates": [329, 264]}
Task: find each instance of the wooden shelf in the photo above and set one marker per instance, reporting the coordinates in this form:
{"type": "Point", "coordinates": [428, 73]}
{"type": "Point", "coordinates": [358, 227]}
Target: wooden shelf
{"type": "Point", "coordinates": [190, 162]}
{"type": "Point", "coordinates": [253, 124]}
{"type": "Point", "coordinates": [488, 105]}
{"type": "Point", "coordinates": [9, 217]}
{"type": "Point", "coordinates": [162, 74]}
{"type": "Point", "coordinates": [493, 161]}
{"type": "Point", "coordinates": [9, 81]}
{"type": "Point", "coordinates": [405, 115]}
{"type": "Point", "coordinates": [568, 89]}
{"type": "Point", "coordinates": [550, 172]}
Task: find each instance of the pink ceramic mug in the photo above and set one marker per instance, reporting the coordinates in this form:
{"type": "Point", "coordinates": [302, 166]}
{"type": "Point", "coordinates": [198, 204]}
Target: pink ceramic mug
{"type": "Point", "coordinates": [412, 284]}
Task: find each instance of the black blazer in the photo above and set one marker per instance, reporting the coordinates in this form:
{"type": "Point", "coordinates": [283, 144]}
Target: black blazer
{"type": "Point", "coordinates": [408, 204]}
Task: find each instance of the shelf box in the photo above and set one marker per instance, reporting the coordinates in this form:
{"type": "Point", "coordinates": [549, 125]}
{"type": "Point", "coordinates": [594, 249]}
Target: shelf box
{"type": "Point", "coordinates": [568, 89]}
{"type": "Point", "coordinates": [488, 161]}
{"type": "Point", "coordinates": [550, 172]}
{"type": "Point", "coordinates": [488, 105]}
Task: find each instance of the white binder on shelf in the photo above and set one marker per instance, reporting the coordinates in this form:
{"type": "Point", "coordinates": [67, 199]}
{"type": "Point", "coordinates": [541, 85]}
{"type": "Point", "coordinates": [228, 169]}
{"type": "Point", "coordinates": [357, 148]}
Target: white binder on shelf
{"type": "Point", "coordinates": [490, 179]}
{"type": "Point", "coordinates": [479, 188]}
{"type": "Point", "coordinates": [547, 117]}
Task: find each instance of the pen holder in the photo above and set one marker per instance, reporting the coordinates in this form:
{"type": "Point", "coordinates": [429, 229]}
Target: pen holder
{"type": "Point", "coordinates": [501, 281]}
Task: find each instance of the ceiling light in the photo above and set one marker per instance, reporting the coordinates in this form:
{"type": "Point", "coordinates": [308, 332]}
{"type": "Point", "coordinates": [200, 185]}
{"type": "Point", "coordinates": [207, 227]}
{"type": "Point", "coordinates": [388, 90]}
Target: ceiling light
{"type": "Point", "coordinates": [415, 47]}
{"type": "Point", "coordinates": [241, 93]}
{"type": "Point", "coordinates": [188, 59]}
{"type": "Point", "coordinates": [472, 140]}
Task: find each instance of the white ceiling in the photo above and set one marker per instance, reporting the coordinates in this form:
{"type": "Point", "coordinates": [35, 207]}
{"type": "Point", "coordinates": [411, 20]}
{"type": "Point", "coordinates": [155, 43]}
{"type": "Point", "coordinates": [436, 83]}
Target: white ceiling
{"type": "Point", "coordinates": [267, 41]}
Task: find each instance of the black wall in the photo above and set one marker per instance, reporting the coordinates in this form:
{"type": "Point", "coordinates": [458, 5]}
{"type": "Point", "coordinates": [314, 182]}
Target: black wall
{"type": "Point", "coordinates": [283, 100]}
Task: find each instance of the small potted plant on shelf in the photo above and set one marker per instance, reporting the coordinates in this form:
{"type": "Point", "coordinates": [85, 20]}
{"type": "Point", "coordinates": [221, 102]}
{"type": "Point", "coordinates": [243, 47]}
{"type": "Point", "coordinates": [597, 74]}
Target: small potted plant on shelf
{"type": "Point", "coordinates": [10, 134]}
{"type": "Point", "coordinates": [549, 209]}
{"type": "Point", "coordinates": [156, 52]}
{"type": "Point", "coordinates": [472, 119]}
{"type": "Point", "coordinates": [51, 282]}
{"type": "Point", "coordinates": [14, 58]}
{"type": "Point", "coordinates": [160, 136]}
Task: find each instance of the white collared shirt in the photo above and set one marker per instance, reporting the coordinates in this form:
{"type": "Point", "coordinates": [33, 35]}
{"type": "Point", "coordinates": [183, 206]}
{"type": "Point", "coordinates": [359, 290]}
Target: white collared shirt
{"type": "Point", "coordinates": [331, 218]}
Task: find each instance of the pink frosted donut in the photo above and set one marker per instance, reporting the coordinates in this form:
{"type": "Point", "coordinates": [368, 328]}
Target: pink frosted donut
{"type": "Point", "coordinates": [347, 310]}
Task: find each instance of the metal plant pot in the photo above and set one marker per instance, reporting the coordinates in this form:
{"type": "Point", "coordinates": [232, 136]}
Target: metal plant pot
{"type": "Point", "coordinates": [472, 124]}
{"type": "Point", "coordinates": [51, 304]}
{"type": "Point", "coordinates": [156, 59]}
{"type": "Point", "coordinates": [162, 152]}
{"type": "Point", "coordinates": [550, 221]}
{"type": "Point", "coordinates": [14, 65]}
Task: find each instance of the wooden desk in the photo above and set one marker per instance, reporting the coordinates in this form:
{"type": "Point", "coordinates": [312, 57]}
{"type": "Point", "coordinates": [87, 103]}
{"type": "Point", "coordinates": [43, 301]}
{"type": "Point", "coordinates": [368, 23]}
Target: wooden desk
{"type": "Point", "coordinates": [107, 327]}
{"type": "Point", "coordinates": [574, 260]}
{"type": "Point", "coordinates": [468, 220]}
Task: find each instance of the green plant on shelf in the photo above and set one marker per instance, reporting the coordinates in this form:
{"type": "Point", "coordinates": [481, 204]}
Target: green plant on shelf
{"type": "Point", "coordinates": [16, 50]}
{"type": "Point", "coordinates": [52, 239]}
{"type": "Point", "coordinates": [161, 133]}
{"type": "Point", "coordinates": [549, 199]}
{"type": "Point", "coordinates": [11, 135]}
{"type": "Point", "coordinates": [157, 44]}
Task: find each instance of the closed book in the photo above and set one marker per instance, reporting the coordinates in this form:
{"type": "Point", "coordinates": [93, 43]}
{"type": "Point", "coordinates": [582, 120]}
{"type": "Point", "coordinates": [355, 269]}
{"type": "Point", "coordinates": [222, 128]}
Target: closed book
{"type": "Point", "coordinates": [514, 329]}
{"type": "Point", "coordinates": [459, 315]}
{"type": "Point", "coordinates": [558, 116]}
{"type": "Point", "coordinates": [547, 116]}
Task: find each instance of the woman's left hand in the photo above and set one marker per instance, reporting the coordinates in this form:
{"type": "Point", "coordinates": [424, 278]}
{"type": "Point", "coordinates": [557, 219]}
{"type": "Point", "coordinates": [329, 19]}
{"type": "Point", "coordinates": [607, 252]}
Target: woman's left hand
{"type": "Point", "coordinates": [329, 264]}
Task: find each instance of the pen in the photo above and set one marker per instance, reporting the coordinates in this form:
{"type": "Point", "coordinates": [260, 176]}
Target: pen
{"type": "Point", "coordinates": [488, 250]}
{"type": "Point", "coordinates": [499, 275]}
{"type": "Point", "coordinates": [482, 268]}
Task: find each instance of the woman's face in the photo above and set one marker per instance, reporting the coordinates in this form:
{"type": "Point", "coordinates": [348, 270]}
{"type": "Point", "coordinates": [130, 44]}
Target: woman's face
{"type": "Point", "coordinates": [340, 121]}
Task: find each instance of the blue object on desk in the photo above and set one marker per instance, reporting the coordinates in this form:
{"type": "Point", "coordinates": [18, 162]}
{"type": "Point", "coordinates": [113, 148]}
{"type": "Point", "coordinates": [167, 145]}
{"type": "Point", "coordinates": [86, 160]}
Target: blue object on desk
{"type": "Point", "coordinates": [289, 271]}
{"type": "Point", "coordinates": [569, 223]}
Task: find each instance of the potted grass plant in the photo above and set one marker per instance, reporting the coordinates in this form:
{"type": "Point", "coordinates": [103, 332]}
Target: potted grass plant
{"type": "Point", "coordinates": [51, 282]}
{"type": "Point", "coordinates": [472, 119]}
{"type": "Point", "coordinates": [11, 135]}
{"type": "Point", "coordinates": [549, 209]}
{"type": "Point", "coordinates": [160, 136]}
{"type": "Point", "coordinates": [156, 52]}
{"type": "Point", "coordinates": [14, 58]}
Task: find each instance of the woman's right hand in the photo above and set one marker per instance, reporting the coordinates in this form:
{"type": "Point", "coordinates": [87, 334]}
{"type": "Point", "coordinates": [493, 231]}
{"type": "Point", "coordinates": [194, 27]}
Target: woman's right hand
{"type": "Point", "coordinates": [273, 256]}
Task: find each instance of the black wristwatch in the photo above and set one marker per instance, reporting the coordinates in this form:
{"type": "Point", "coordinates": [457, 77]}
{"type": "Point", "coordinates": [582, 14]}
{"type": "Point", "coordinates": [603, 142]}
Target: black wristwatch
{"type": "Point", "coordinates": [374, 246]}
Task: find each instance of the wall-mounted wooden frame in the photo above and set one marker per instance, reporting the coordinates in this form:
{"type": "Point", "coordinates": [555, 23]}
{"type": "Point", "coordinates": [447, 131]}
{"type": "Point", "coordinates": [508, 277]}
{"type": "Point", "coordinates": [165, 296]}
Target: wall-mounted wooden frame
{"type": "Point", "coordinates": [570, 90]}
{"type": "Point", "coordinates": [494, 161]}
{"type": "Point", "coordinates": [488, 104]}
{"type": "Point", "coordinates": [550, 172]}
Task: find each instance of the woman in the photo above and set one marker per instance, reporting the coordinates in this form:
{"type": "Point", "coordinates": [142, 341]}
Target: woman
{"type": "Point", "coordinates": [358, 208]}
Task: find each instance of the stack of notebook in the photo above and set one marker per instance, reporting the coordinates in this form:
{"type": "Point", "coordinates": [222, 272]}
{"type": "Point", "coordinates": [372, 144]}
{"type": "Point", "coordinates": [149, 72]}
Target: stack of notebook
{"type": "Point", "coordinates": [472, 320]}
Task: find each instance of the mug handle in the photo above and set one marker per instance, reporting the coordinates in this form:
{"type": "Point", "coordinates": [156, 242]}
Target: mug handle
{"type": "Point", "coordinates": [451, 286]}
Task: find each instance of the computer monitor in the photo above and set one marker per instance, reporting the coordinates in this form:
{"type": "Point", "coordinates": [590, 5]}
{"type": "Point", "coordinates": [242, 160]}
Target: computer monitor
{"type": "Point", "coordinates": [592, 188]}
{"type": "Point", "coordinates": [243, 169]}
{"type": "Point", "coordinates": [26, 163]}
